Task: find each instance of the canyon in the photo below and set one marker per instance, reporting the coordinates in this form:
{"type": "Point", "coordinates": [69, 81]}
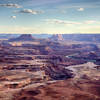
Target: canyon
{"type": "Point", "coordinates": [52, 68]}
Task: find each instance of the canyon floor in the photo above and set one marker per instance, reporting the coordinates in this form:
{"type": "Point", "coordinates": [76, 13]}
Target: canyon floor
{"type": "Point", "coordinates": [43, 69]}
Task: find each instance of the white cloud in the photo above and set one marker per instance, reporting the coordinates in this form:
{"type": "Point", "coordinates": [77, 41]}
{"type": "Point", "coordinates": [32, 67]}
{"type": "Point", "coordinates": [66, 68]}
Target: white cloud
{"type": "Point", "coordinates": [30, 11]}
{"type": "Point", "coordinates": [10, 5]}
{"type": "Point", "coordinates": [80, 9]}
{"type": "Point", "coordinates": [90, 22]}
{"type": "Point", "coordinates": [57, 21]}
{"type": "Point", "coordinates": [14, 17]}
{"type": "Point", "coordinates": [67, 22]}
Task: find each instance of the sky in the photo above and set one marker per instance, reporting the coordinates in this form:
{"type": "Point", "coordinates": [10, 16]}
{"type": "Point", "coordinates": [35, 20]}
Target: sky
{"type": "Point", "coordinates": [50, 16]}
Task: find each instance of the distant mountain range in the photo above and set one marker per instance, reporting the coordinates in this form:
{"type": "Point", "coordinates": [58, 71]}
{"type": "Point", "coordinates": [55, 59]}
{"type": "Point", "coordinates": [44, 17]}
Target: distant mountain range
{"type": "Point", "coordinates": [8, 36]}
{"type": "Point", "coordinates": [76, 37]}
{"type": "Point", "coordinates": [56, 37]}
{"type": "Point", "coordinates": [82, 37]}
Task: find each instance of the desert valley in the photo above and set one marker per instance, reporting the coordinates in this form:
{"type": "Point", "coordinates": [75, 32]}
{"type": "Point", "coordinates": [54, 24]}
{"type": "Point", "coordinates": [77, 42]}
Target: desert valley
{"type": "Point", "coordinates": [58, 67]}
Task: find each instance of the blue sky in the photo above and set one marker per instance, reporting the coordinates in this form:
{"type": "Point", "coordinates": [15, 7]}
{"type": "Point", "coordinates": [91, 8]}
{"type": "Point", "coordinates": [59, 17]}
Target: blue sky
{"type": "Point", "coordinates": [50, 16]}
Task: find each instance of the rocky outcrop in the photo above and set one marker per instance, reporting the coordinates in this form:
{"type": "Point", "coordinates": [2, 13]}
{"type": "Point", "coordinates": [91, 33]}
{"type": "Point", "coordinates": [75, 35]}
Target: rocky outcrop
{"type": "Point", "coordinates": [57, 37]}
{"type": "Point", "coordinates": [23, 37]}
{"type": "Point", "coordinates": [58, 73]}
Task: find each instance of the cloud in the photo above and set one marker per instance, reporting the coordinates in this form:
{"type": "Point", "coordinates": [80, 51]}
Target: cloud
{"type": "Point", "coordinates": [90, 22]}
{"type": "Point", "coordinates": [30, 11]}
{"type": "Point", "coordinates": [10, 5]}
{"type": "Point", "coordinates": [80, 9]}
{"type": "Point", "coordinates": [13, 17]}
{"type": "Point", "coordinates": [64, 22]}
